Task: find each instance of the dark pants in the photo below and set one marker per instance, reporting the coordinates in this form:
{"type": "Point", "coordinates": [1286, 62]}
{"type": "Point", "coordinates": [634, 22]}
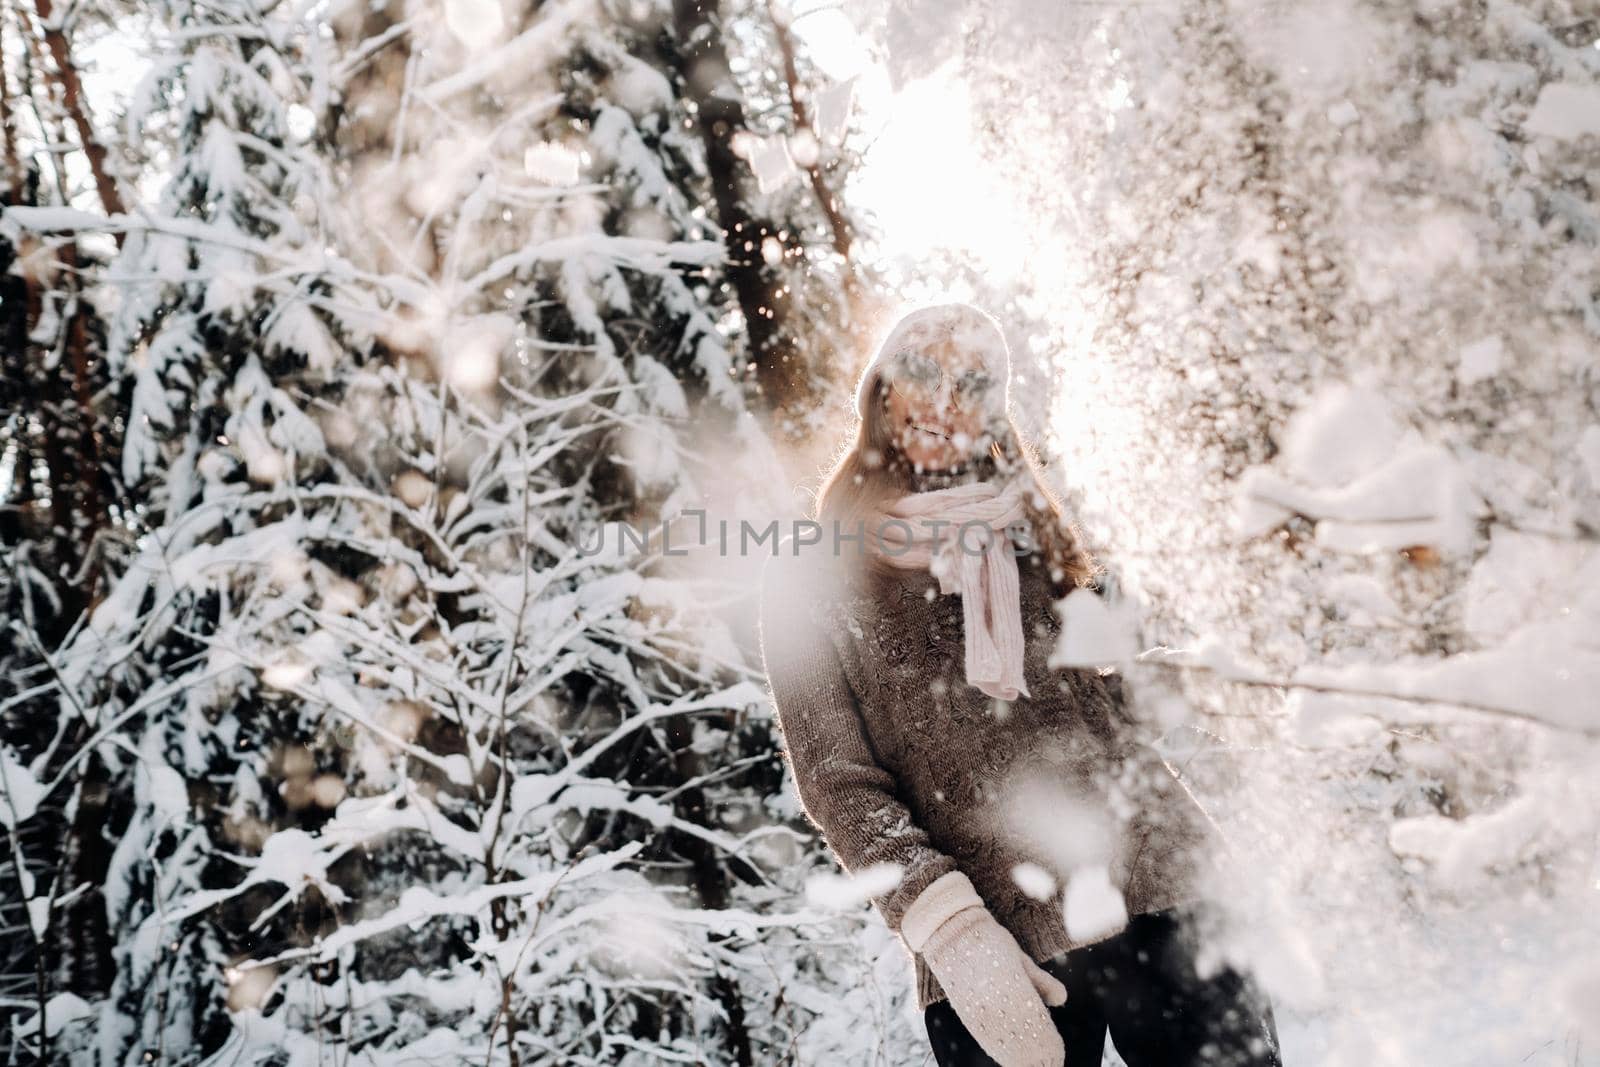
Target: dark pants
{"type": "Point", "coordinates": [1142, 986]}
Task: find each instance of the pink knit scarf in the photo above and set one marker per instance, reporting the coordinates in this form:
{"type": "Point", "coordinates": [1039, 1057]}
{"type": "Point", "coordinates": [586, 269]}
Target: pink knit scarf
{"type": "Point", "coordinates": [973, 560]}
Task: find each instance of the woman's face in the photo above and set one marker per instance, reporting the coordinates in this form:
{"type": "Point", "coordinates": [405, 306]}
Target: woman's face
{"type": "Point", "coordinates": [941, 397]}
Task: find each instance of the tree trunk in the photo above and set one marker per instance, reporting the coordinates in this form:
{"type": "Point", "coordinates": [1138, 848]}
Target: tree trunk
{"type": "Point", "coordinates": [703, 63]}
{"type": "Point", "coordinates": [72, 96]}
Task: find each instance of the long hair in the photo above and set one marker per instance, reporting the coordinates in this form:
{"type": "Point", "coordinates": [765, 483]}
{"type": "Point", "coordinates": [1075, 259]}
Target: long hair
{"type": "Point", "coordinates": [869, 470]}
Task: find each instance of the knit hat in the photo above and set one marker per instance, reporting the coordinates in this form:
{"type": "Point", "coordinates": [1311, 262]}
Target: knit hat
{"type": "Point", "coordinates": [970, 327]}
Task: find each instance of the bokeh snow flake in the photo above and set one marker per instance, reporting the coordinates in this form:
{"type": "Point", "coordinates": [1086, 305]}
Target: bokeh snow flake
{"type": "Point", "coordinates": [1034, 880]}
{"type": "Point", "coordinates": [1094, 633]}
{"type": "Point", "coordinates": [475, 23]}
{"type": "Point", "coordinates": [1091, 906]}
{"type": "Point", "coordinates": [842, 892]}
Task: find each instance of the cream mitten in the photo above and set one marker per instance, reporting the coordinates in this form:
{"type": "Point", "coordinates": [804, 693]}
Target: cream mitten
{"type": "Point", "coordinates": [999, 993]}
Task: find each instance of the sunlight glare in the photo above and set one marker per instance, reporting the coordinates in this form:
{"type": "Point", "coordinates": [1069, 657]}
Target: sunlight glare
{"type": "Point", "coordinates": [922, 176]}
{"type": "Point", "coordinates": [930, 189]}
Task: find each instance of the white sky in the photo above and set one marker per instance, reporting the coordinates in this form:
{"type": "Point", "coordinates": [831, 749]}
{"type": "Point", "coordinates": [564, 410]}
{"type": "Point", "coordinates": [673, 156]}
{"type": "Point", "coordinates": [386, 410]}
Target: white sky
{"type": "Point", "coordinates": [922, 177]}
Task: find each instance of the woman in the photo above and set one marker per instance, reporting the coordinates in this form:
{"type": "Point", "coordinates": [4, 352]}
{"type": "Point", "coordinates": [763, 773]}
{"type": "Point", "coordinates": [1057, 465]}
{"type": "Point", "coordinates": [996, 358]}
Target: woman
{"type": "Point", "coordinates": [1045, 863]}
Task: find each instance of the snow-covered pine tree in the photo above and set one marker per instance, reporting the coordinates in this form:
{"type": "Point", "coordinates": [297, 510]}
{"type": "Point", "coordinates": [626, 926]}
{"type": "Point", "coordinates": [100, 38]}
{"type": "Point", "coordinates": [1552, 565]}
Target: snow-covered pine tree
{"type": "Point", "coordinates": [226, 322]}
{"type": "Point", "coordinates": [392, 765]}
{"type": "Point", "coordinates": [60, 505]}
{"type": "Point", "coordinates": [470, 808]}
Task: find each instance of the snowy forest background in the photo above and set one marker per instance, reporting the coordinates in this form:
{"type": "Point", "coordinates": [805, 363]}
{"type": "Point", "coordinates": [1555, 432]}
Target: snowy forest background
{"type": "Point", "coordinates": [334, 330]}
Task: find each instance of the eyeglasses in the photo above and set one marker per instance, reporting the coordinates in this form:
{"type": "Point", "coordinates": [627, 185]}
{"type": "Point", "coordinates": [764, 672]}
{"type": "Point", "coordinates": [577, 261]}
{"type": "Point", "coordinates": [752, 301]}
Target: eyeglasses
{"type": "Point", "coordinates": [915, 376]}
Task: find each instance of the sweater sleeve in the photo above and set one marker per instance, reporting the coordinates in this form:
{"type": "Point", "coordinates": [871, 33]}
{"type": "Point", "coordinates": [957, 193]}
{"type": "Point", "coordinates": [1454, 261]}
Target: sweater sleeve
{"type": "Point", "coordinates": [845, 792]}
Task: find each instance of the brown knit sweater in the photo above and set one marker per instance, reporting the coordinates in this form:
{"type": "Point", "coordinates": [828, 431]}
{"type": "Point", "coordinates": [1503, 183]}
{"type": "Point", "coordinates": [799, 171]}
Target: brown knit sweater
{"type": "Point", "coordinates": [896, 759]}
